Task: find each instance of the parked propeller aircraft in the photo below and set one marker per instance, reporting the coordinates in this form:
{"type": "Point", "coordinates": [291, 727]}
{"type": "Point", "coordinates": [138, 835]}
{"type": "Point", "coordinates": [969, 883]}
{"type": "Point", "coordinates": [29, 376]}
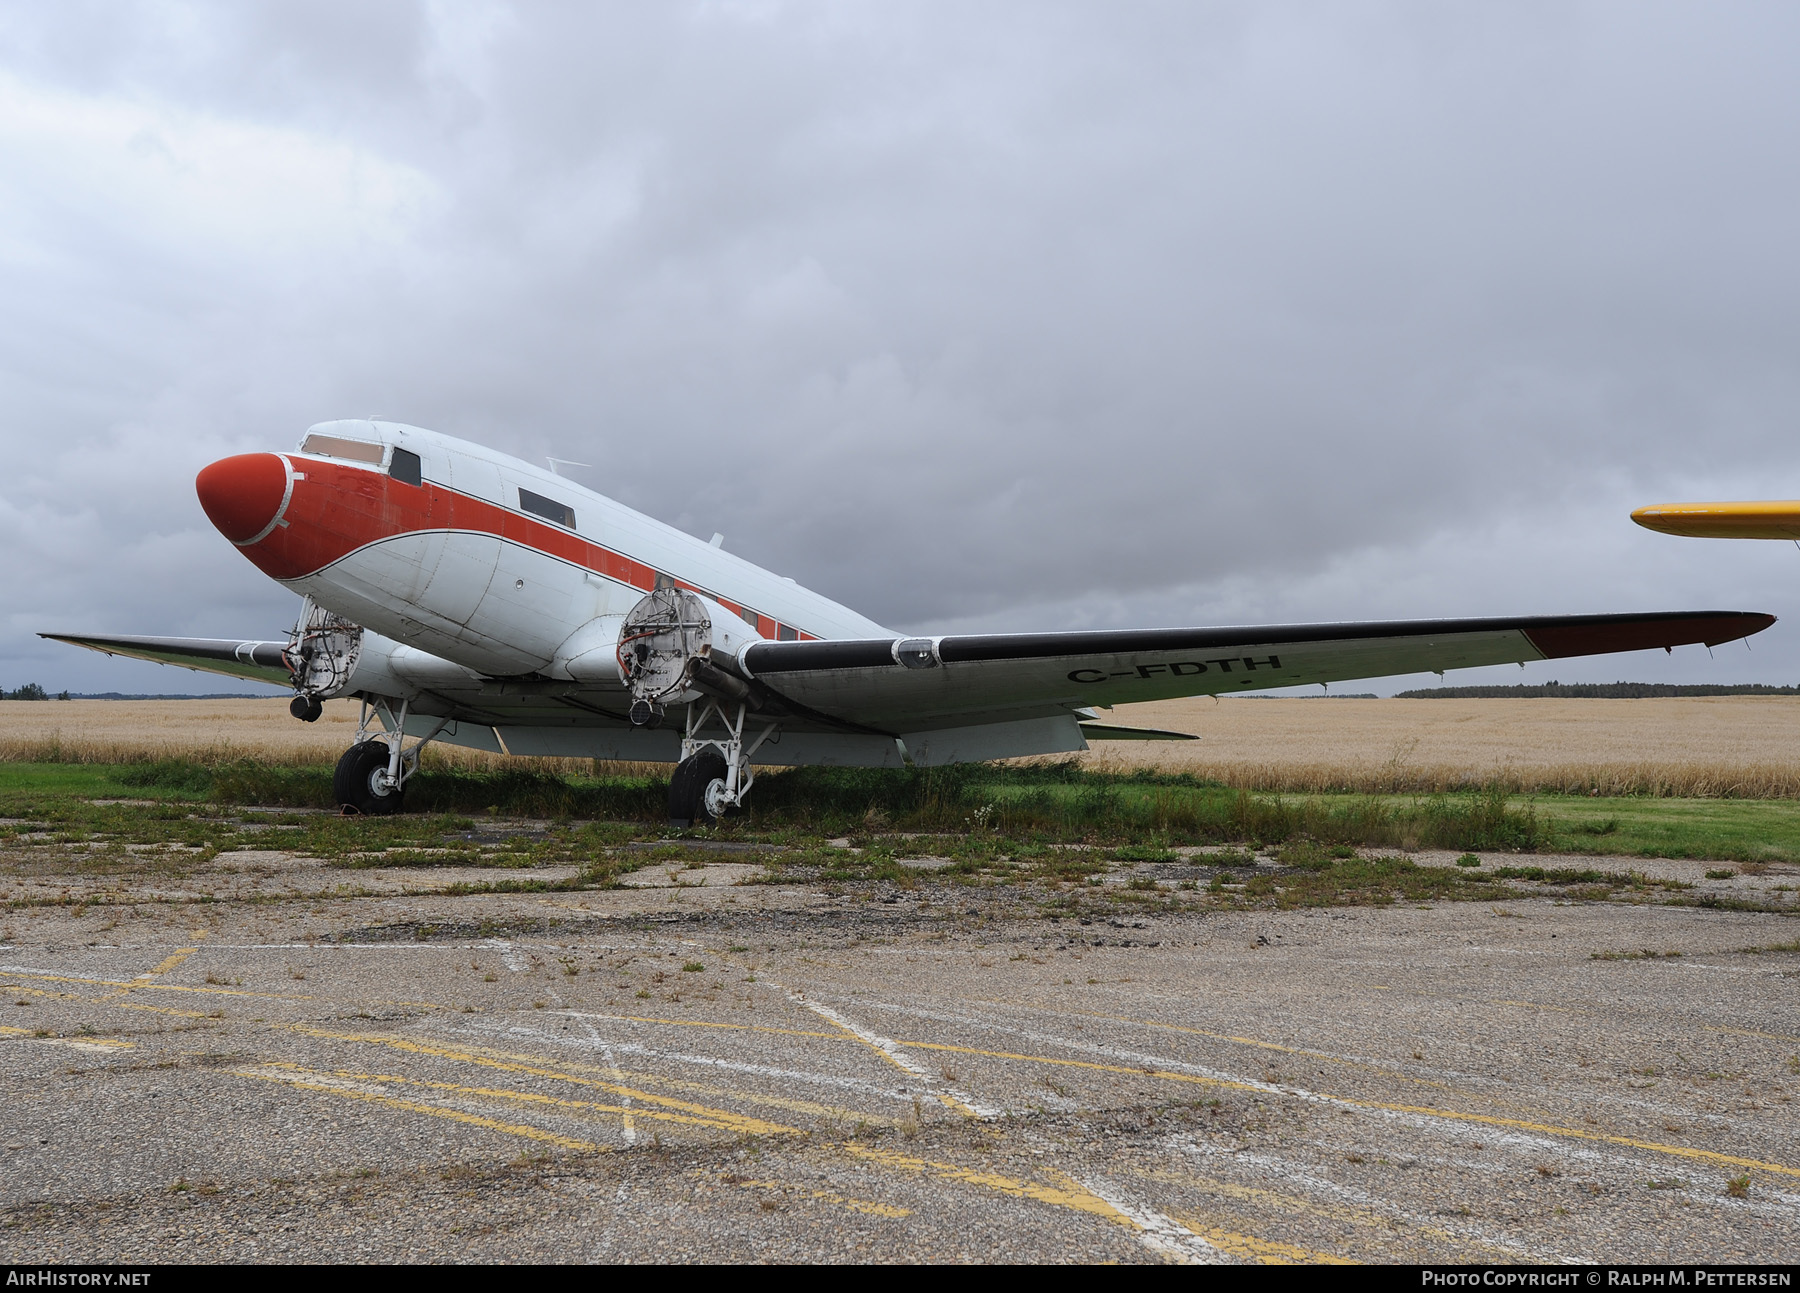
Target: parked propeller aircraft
{"type": "Point", "coordinates": [468, 597]}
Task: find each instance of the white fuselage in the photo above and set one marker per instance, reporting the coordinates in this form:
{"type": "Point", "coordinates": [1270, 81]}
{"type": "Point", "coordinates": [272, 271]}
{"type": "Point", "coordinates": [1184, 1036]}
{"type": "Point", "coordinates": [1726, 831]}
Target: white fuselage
{"type": "Point", "coordinates": [457, 567]}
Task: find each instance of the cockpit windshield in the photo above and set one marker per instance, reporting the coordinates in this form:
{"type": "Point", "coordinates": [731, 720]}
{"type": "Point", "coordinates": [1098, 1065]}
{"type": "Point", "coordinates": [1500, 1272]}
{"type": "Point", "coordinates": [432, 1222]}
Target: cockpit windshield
{"type": "Point", "coordinates": [330, 446]}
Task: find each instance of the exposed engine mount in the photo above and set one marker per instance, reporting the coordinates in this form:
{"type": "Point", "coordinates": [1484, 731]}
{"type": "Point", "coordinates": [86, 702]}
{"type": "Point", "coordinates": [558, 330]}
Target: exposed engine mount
{"type": "Point", "coordinates": [662, 638]}
{"type": "Point", "coordinates": [321, 655]}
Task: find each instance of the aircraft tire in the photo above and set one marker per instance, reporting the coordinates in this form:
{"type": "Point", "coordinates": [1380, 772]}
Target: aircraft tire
{"type": "Point", "coordinates": [353, 784]}
{"type": "Point", "coordinates": [687, 788]}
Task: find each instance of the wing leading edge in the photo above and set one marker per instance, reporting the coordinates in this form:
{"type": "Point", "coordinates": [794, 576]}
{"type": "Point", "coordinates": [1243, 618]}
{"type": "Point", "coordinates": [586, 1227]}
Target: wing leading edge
{"type": "Point", "coordinates": [921, 683]}
{"type": "Point", "coordinates": [260, 661]}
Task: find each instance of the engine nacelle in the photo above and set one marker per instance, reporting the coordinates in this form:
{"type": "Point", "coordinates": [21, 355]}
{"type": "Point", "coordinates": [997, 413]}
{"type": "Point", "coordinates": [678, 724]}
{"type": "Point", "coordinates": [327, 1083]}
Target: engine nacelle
{"type": "Point", "coordinates": [322, 653]}
{"type": "Point", "coordinates": [665, 649]}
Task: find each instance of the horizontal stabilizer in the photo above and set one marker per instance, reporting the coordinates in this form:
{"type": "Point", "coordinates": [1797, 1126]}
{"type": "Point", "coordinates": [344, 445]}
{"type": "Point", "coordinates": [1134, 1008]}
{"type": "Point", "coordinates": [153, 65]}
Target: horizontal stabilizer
{"type": "Point", "coordinates": [259, 661]}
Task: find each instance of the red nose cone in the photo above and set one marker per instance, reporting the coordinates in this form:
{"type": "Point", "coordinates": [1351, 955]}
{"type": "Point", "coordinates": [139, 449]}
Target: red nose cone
{"type": "Point", "coordinates": [242, 494]}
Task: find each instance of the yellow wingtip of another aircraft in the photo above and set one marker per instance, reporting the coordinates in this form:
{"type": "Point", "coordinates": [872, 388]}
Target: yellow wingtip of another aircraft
{"type": "Point", "coordinates": [1778, 519]}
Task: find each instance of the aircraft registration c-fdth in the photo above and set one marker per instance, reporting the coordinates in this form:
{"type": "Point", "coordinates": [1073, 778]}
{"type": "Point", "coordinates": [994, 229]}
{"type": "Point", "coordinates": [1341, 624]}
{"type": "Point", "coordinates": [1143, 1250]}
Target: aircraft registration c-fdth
{"type": "Point", "coordinates": [469, 597]}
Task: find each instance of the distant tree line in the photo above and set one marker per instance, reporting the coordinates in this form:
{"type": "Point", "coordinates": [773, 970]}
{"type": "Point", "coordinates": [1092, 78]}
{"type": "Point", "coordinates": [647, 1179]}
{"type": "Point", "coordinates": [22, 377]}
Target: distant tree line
{"type": "Point", "coordinates": [30, 691]}
{"type": "Point", "coordinates": [1597, 691]}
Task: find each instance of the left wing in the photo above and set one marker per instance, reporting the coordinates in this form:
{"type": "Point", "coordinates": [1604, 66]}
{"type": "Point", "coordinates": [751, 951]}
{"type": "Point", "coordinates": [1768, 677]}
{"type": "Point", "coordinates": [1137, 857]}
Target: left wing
{"type": "Point", "coordinates": [261, 661]}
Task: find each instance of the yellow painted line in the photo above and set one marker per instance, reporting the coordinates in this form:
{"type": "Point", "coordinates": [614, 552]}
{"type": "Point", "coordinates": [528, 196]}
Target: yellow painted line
{"type": "Point", "coordinates": [432, 1111]}
{"type": "Point", "coordinates": [809, 1107]}
{"type": "Point", "coordinates": [1071, 1196]}
{"type": "Point", "coordinates": [736, 1122]}
{"type": "Point", "coordinates": [133, 985]}
{"type": "Point", "coordinates": [1255, 1042]}
{"type": "Point", "coordinates": [1489, 1120]}
{"type": "Point", "coordinates": [1266, 1252]}
{"type": "Point", "coordinates": [618, 1075]}
{"type": "Point", "coordinates": [1309, 1207]}
{"type": "Point", "coordinates": [225, 992]}
{"type": "Point", "coordinates": [1093, 1064]}
{"type": "Point", "coordinates": [160, 1010]}
{"type": "Point", "coordinates": [516, 1097]}
{"type": "Point", "coordinates": [846, 1035]}
{"type": "Point", "coordinates": [707, 1023]}
{"type": "Point", "coordinates": [169, 963]}
{"type": "Point", "coordinates": [842, 1200]}
{"type": "Point", "coordinates": [884, 1047]}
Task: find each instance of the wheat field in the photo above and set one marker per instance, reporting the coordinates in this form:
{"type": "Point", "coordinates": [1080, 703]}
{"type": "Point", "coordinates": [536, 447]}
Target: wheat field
{"type": "Point", "coordinates": [1715, 746]}
{"type": "Point", "coordinates": [1711, 746]}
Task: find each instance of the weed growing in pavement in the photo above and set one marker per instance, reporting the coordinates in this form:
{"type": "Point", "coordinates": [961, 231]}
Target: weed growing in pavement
{"type": "Point", "coordinates": [1644, 954]}
{"type": "Point", "coordinates": [1050, 825]}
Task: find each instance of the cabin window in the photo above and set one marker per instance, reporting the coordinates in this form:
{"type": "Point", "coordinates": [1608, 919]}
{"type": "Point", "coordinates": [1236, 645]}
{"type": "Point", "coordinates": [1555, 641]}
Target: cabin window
{"type": "Point", "coordinates": [749, 617]}
{"type": "Point", "coordinates": [330, 446]}
{"type": "Point", "coordinates": [662, 582]}
{"type": "Point", "coordinates": [405, 467]}
{"type": "Point", "coordinates": [785, 634]}
{"type": "Point", "coordinates": [548, 508]}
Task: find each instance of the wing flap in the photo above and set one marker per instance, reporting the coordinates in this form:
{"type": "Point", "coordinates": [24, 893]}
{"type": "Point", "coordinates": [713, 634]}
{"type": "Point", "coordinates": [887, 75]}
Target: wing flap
{"type": "Point", "coordinates": [1113, 732]}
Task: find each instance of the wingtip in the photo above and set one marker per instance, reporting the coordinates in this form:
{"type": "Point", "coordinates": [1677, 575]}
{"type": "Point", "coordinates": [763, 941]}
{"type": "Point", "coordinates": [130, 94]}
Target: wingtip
{"type": "Point", "coordinates": [1760, 619]}
{"type": "Point", "coordinates": [1756, 519]}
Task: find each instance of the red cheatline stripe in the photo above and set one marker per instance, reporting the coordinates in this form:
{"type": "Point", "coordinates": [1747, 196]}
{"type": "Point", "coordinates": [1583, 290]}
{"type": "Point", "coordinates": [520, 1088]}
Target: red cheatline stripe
{"type": "Point", "coordinates": [339, 509]}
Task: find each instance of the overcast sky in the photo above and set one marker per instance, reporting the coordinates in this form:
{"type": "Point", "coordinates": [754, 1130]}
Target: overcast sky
{"type": "Point", "coordinates": [973, 316]}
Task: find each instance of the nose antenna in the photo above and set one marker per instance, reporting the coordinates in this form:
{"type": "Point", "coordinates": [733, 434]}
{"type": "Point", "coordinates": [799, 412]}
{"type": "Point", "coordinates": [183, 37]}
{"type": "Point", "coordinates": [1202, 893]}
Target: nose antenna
{"type": "Point", "coordinates": [566, 462]}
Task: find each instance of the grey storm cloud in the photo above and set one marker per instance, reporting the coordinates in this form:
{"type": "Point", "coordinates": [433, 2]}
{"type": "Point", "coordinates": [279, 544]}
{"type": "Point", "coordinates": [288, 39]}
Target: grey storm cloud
{"type": "Point", "coordinates": [971, 316]}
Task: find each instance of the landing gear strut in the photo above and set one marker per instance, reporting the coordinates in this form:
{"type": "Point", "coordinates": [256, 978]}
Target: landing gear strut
{"type": "Point", "coordinates": [371, 777]}
{"type": "Point", "coordinates": [714, 774]}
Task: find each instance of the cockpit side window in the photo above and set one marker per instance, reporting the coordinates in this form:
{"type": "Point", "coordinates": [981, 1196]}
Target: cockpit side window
{"type": "Point", "coordinates": [405, 467]}
{"type": "Point", "coordinates": [330, 446]}
{"type": "Point", "coordinates": [548, 508]}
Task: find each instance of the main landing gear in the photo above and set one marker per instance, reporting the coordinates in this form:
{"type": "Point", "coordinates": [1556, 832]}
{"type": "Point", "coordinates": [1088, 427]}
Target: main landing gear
{"type": "Point", "coordinates": [714, 774]}
{"type": "Point", "coordinates": [371, 777]}
{"type": "Point", "coordinates": [666, 647]}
